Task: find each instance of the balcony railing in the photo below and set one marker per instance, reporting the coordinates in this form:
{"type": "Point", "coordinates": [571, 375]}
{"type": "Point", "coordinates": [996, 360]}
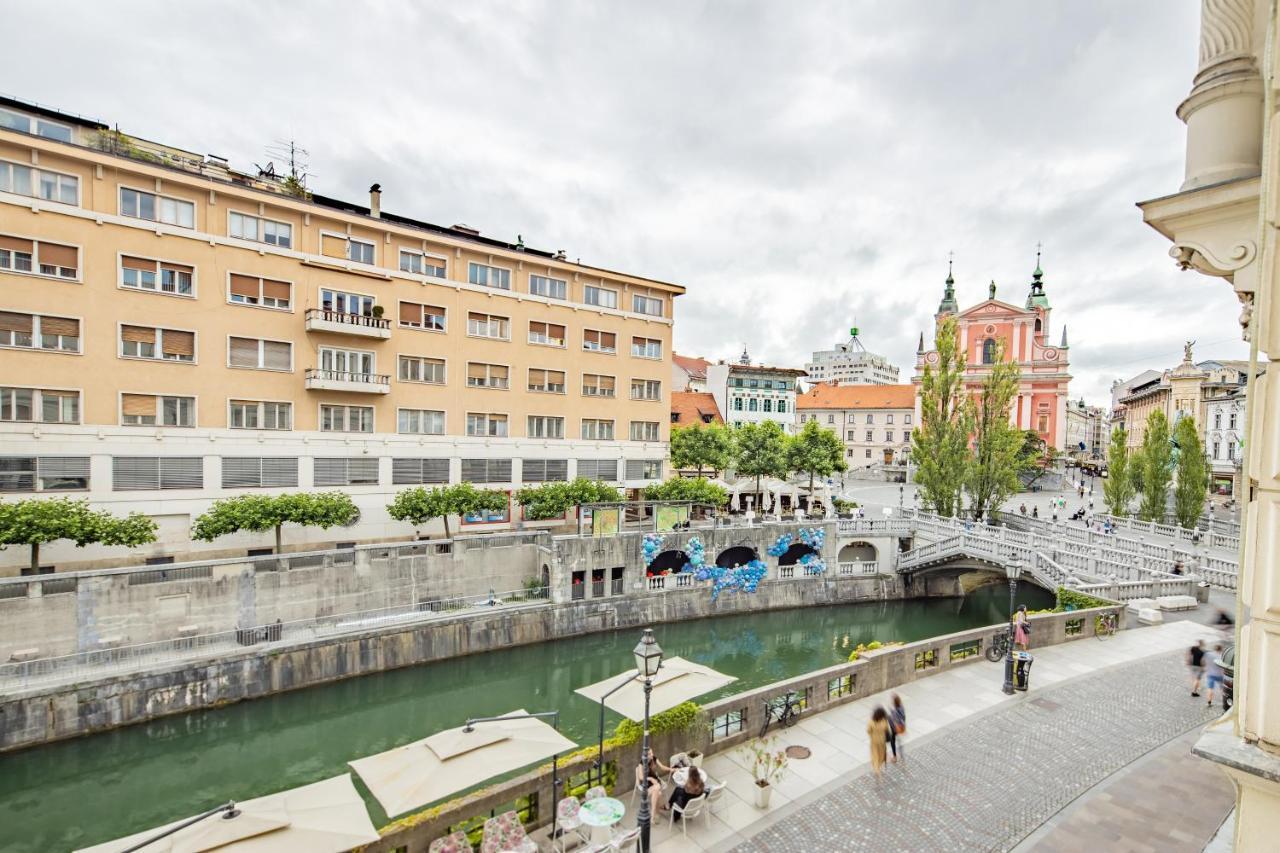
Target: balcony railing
{"type": "Point", "coordinates": [342, 322]}
{"type": "Point", "coordinates": [344, 380]}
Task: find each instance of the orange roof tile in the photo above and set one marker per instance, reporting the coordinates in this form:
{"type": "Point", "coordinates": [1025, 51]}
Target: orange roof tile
{"type": "Point", "coordinates": [689, 407]}
{"type": "Point", "coordinates": [824, 396]}
{"type": "Point", "coordinates": [695, 367]}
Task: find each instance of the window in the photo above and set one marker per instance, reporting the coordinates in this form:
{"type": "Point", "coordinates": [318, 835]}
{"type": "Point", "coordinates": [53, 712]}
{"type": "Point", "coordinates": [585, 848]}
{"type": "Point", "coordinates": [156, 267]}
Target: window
{"type": "Point", "coordinates": [737, 404]}
{"type": "Point", "coordinates": [546, 381]}
{"type": "Point", "coordinates": [544, 470]}
{"type": "Point", "coordinates": [259, 472]}
{"type": "Point", "coordinates": [647, 389]}
{"type": "Point", "coordinates": [646, 348]}
{"type": "Point", "coordinates": [44, 473]}
{"type": "Point", "coordinates": [346, 303]}
{"type": "Point", "coordinates": [1217, 454]}
{"type": "Point", "coordinates": [1231, 421]}
{"type": "Point", "coordinates": [487, 276]}
{"type": "Point", "coordinates": [420, 368]}
{"type": "Point", "coordinates": [486, 470]}
{"type": "Point", "coordinates": [487, 375]}
{"type": "Point", "coordinates": [415, 316]}
{"type": "Point", "coordinates": [597, 385]}
{"type": "Point", "coordinates": [906, 419]}
{"type": "Point", "coordinates": [989, 351]}
{"type": "Point", "coordinates": [644, 469]}
{"type": "Point", "coordinates": [346, 363]}
{"type": "Point", "coordinates": [594, 429]}
{"type": "Point", "coordinates": [260, 230]}
{"type": "Point", "coordinates": [415, 472]}
{"type": "Point", "coordinates": [888, 419]}
{"type": "Point", "coordinates": [547, 334]}
{"type": "Point", "coordinates": [597, 341]}
{"type": "Point", "coordinates": [1217, 422]}
{"type": "Point", "coordinates": [346, 471]}
{"type": "Point", "coordinates": [753, 383]}
{"type": "Point", "coordinates": [831, 419]}
{"type": "Point", "coordinates": [487, 425]}
{"type": "Point", "coordinates": [38, 257]}
{"type": "Point", "coordinates": [646, 305]}
{"type": "Point", "coordinates": [767, 405]}
{"type": "Point", "coordinates": [888, 435]}
{"type": "Point", "coordinates": [33, 124]}
{"type": "Point", "coordinates": [420, 264]}
{"type": "Point", "coordinates": [871, 418]}
{"type": "Point", "coordinates": [552, 288]}
{"type": "Point", "coordinates": [488, 326]}
{"type": "Point", "coordinates": [906, 436]}
{"type": "Point", "coordinates": [359, 251]}
{"type": "Point", "coordinates": [130, 473]}
{"type": "Point", "coordinates": [542, 426]}
{"type": "Point", "coordinates": [598, 469]}
{"type": "Point", "coordinates": [851, 436]}
{"type": "Point", "coordinates": [156, 276]}
{"type": "Point", "coordinates": [158, 344]}
{"type": "Point", "coordinates": [259, 354]}
{"type": "Point", "coordinates": [868, 452]}
{"type": "Point", "coordinates": [1042, 423]}
{"type": "Point", "coordinates": [37, 331]}
{"type": "Point", "coordinates": [346, 419]}
{"type": "Point", "coordinates": [157, 208]}
{"type": "Point", "coordinates": [870, 436]}
{"type": "Point", "coordinates": [644, 431]}
{"type": "Point", "coordinates": [1231, 450]}
{"type": "Point", "coordinates": [263, 292]}
{"type": "Point", "coordinates": [753, 404]}
{"type": "Point", "coordinates": [420, 422]}
{"type": "Point", "coordinates": [36, 405]}
{"type": "Point", "coordinates": [157, 410]}
{"type": "Point", "coordinates": [260, 414]}
{"type": "Point", "coordinates": [39, 183]}
{"type": "Point", "coordinates": [600, 296]}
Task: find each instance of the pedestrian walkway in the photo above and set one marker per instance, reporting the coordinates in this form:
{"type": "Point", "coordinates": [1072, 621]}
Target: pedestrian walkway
{"type": "Point", "coordinates": [983, 770]}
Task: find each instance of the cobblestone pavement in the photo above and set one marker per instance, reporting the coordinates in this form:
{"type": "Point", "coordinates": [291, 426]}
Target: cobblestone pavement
{"type": "Point", "coordinates": [988, 783]}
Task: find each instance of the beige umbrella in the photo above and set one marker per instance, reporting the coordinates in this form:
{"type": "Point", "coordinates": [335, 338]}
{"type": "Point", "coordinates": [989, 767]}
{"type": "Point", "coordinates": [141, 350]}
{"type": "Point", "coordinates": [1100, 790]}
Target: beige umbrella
{"type": "Point", "coordinates": [326, 817]}
{"type": "Point", "coordinates": [431, 769]}
{"type": "Point", "coordinates": [678, 680]}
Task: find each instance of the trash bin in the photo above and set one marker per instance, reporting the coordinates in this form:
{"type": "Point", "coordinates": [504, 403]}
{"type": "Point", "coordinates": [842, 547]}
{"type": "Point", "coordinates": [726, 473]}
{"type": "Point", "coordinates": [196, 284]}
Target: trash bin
{"type": "Point", "coordinates": [1022, 670]}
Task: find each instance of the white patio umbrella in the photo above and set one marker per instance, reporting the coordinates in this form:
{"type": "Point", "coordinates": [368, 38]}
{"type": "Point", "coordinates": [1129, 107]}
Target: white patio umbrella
{"type": "Point", "coordinates": [325, 817]}
{"type": "Point", "coordinates": [433, 768]}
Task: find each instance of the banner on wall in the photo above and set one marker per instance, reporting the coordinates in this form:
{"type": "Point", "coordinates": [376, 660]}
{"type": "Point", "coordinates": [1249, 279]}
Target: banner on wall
{"type": "Point", "coordinates": [670, 517]}
{"type": "Point", "coordinates": [605, 522]}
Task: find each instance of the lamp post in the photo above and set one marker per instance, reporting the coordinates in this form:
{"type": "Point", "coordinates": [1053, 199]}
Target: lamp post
{"type": "Point", "coordinates": [901, 491]}
{"type": "Point", "coordinates": [1012, 569]}
{"type": "Point", "coordinates": [648, 657]}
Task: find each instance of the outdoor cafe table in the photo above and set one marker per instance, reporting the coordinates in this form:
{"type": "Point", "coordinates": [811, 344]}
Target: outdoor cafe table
{"type": "Point", "coordinates": [601, 814]}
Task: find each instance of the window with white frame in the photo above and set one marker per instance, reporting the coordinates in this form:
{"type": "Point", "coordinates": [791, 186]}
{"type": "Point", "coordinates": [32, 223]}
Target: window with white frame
{"type": "Point", "coordinates": [546, 381]}
{"type": "Point", "coordinates": [414, 472]}
{"type": "Point", "coordinates": [596, 429]}
{"type": "Point", "coordinates": [486, 470]}
{"type": "Point", "coordinates": [420, 422]}
{"type": "Point", "coordinates": [600, 296]}
{"type": "Point", "coordinates": [260, 230]}
{"type": "Point", "coordinates": [906, 419]}
{"type": "Point", "coordinates": [486, 424]}
{"type": "Point", "coordinates": [347, 363]}
{"type": "Point", "coordinates": [149, 473]}
{"type": "Point", "coordinates": [157, 410]}
{"type": "Point", "coordinates": [346, 303]}
{"type": "Point", "coordinates": [414, 315]}
{"type": "Point", "coordinates": [598, 341]}
{"type": "Point", "coordinates": [44, 473]}
{"type": "Point", "coordinates": [39, 331]}
{"type": "Point", "coordinates": [260, 414]}
{"type": "Point", "coordinates": [870, 435]}
{"type": "Point", "coordinates": [263, 292]}
{"type": "Point", "coordinates": [644, 430]}
{"type": "Point", "coordinates": [157, 276]}
{"type": "Point", "coordinates": [646, 348]}
{"type": "Point", "coordinates": [345, 471]}
{"type": "Point", "coordinates": [346, 419]}
{"type": "Point", "coordinates": [39, 183]}
{"type": "Point", "coordinates": [552, 288]}
{"type": "Point", "coordinates": [488, 326]}
{"type": "Point", "coordinates": [136, 204]}
{"type": "Point", "coordinates": [415, 262]}
{"type": "Point", "coordinates": [906, 436]}
{"type": "Point", "coordinates": [644, 469]}
{"type": "Point", "coordinates": [359, 251]}
{"type": "Point", "coordinates": [481, 375]}
{"type": "Point", "coordinates": [420, 368]}
{"type": "Point", "coordinates": [259, 472]}
{"type": "Point", "coordinates": [544, 470]}
{"type": "Point", "coordinates": [39, 405]}
{"type": "Point", "coordinates": [38, 257]}
{"type": "Point", "coordinates": [487, 276]}
{"type": "Point", "coordinates": [646, 305]}
{"type": "Point", "coordinates": [546, 334]}
{"type": "Point", "coordinates": [888, 435]}
{"type": "Point", "coordinates": [646, 389]}
{"type": "Point", "coordinates": [598, 385]}
{"type": "Point", "coordinates": [259, 354]}
{"type": "Point", "coordinates": [544, 426]}
{"type": "Point", "coordinates": [25, 123]}
{"type": "Point", "coordinates": [155, 343]}
{"type": "Point", "coordinates": [888, 418]}
{"type": "Point", "coordinates": [871, 418]}
{"type": "Point", "coordinates": [605, 470]}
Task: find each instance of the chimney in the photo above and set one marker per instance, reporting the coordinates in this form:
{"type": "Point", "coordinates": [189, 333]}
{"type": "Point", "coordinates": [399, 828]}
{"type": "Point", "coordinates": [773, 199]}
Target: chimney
{"type": "Point", "coordinates": [375, 201]}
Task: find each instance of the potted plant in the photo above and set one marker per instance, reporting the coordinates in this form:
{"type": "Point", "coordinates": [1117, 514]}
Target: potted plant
{"type": "Point", "coordinates": [378, 311]}
{"type": "Point", "coordinates": [767, 764]}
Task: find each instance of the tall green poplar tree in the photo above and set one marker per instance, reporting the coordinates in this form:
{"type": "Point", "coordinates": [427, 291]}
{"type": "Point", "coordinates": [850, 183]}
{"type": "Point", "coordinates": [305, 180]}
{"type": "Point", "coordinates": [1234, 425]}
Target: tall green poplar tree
{"type": "Point", "coordinates": [1193, 474]}
{"type": "Point", "coordinates": [992, 473]}
{"type": "Point", "coordinates": [1117, 489]}
{"type": "Point", "coordinates": [940, 447]}
{"type": "Point", "coordinates": [1157, 468]}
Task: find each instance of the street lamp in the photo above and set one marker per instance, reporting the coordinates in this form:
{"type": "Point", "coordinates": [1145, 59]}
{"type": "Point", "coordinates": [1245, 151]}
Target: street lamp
{"type": "Point", "coordinates": [901, 491]}
{"type": "Point", "coordinates": [1012, 569]}
{"type": "Point", "coordinates": [648, 657]}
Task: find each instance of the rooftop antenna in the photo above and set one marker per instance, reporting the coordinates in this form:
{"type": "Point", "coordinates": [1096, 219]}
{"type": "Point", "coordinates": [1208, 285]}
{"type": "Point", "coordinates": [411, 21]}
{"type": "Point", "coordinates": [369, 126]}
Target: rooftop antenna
{"type": "Point", "coordinates": [288, 151]}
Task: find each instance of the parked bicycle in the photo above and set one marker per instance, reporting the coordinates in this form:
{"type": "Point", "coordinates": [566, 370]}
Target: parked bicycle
{"type": "Point", "coordinates": [785, 710]}
{"type": "Point", "coordinates": [998, 648]}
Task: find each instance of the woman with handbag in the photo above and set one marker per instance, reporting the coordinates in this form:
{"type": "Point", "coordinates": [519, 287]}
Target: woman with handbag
{"type": "Point", "coordinates": [1021, 627]}
{"type": "Point", "coordinates": [897, 724]}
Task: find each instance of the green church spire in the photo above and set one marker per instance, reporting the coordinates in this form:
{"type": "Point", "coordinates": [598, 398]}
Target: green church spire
{"type": "Point", "coordinates": [1036, 298]}
{"type": "Point", "coordinates": [948, 304]}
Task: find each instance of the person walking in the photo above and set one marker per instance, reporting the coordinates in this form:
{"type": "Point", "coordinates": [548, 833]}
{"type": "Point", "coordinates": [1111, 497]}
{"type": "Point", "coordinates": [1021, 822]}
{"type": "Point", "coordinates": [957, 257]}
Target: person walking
{"type": "Point", "coordinates": [1195, 663]}
{"type": "Point", "coordinates": [878, 732]}
{"type": "Point", "coordinates": [1023, 509]}
{"type": "Point", "coordinates": [897, 725]}
{"type": "Point", "coordinates": [1035, 512]}
{"type": "Point", "coordinates": [1213, 669]}
{"type": "Point", "coordinates": [1021, 628]}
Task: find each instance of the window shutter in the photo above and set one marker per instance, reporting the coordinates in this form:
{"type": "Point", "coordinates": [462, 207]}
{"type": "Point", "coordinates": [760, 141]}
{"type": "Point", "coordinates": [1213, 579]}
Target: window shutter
{"type": "Point", "coordinates": [475, 370]}
{"type": "Point", "coordinates": [333, 247]}
{"type": "Point", "coordinates": [330, 471]}
{"type": "Point", "coordinates": [587, 468]}
{"type": "Point", "coordinates": [137, 264]}
{"type": "Point", "coordinates": [362, 471]}
{"type": "Point", "coordinates": [69, 467]}
{"type": "Point", "coordinates": [277, 355]}
{"type": "Point", "coordinates": [608, 340]}
{"type": "Point", "coordinates": [181, 472]}
{"type": "Point", "coordinates": [178, 268]}
{"type": "Point", "coordinates": [499, 470]}
{"type": "Point", "coordinates": [537, 377]}
{"type": "Point", "coordinates": [533, 470]}
{"type": "Point", "coordinates": [16, 244]}
{"type": "Point", "coordinates": [406, 472]}
{"type": "Point", "coordinates": [635, 469]}
{"type": "Point", "coordinates": [137, 404]}
{"type": "Point", "coordinates": [279, 471]}
{"type": "Point", "coordinates": [59, 326]}
{"type": "Point", "coordinates": [277, 289]}
{"type": "Point", "coordinates": [557, 470]}
{"type": "Point", "coordinates": [14, 322]}
{"type": "Point", "coordinates": [58, 255]}
{"type": "Point", "coordinates": [244, 285]}
{"type": "Point", "coordinates": [243, 472]}
{"type": "Point", "coordinates": [179, 343]}
{"type": "Point", "coordinates": [435, 470]}
{"type": "Point", "coordinates": [244, 352]}
{"type": "Point", "coordinates": [411, 312]}
{"type": "Point", "coordinates": [17, 473]}
{"type": "Point", "coordinates": [138, 334]}
{"type": "Point", "coordinates": [130, 473]}
{"type": "Point", "coordinates": [556, 332]}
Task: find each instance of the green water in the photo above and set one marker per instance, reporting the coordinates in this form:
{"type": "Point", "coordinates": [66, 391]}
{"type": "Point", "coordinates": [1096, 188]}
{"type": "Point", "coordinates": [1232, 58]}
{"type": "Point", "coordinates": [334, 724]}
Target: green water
{"type": "Point", "coordinates": [80, 792]}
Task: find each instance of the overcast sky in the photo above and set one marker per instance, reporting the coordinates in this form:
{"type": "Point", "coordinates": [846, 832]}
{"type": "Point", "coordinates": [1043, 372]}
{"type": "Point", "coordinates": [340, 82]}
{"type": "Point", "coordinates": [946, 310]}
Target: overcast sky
{"type": "Point", "coordinates": [796, 166]}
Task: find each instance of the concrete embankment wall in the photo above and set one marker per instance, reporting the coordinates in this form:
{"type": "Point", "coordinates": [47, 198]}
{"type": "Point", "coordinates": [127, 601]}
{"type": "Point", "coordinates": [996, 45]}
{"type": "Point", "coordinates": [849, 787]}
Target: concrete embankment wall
{"type": "Point", "coordinates": [55, 713]}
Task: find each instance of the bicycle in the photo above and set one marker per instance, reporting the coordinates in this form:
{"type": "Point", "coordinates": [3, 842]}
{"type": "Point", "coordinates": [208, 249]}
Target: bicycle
{"type": "Point", "coordinates": [1105, 626]}
{"type": "Point", "coordinates": [998, 648]}
{"type": "Point", "coordinates": [786, 710]}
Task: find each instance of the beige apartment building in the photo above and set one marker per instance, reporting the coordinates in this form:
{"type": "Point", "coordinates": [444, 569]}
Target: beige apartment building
{"type": "Point", "coordinates": [173, 331]}
{"type": "Point", "coordinates": [875, 422]}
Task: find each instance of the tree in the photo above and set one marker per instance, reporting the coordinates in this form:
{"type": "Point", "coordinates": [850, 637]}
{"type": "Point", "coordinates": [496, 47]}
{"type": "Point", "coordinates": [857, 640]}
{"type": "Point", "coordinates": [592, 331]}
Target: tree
{"type": "Point", "coordinates": [702, 446]}
{"type": "Point", "coordinates": [760, 450]}
{"type": "Point", "coordinates": [36, 521]}
{"type": "Point", "coordinates": [992, 472]}
{"type": "Point", "coordinates": [1118, 489]}
{"type": "Point", "coordinates": [553, 500]}
{"type": "Point", "coordinates": [940, 446]}
{"type": "Point", "coordinates": [418, 505]}
{"type": "Point", "coordinates": [1035, 458]}
{"type": "Point", "coordinates": [257, 513]}
{"type": "Point", "coordinates": [1156, 467]}
{"type": "Point", "coordinates": [1193, 473]}
{"type": "Point", "coordinates": [815, 451]}
{"type": "Point", "coordinates": [699, 491]}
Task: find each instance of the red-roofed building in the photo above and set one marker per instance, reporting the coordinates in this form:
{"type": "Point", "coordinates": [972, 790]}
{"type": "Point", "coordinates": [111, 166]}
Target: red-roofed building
{"type": "Point", "coordinates": [694, 407]}
{"type": "Point", "coordinates": [688, 373]}
{"type": "Point", "coordinates": [873, 421]}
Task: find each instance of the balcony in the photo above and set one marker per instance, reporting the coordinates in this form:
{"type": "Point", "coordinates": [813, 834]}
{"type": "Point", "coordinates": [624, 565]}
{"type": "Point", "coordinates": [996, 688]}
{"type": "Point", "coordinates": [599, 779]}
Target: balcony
{"type": "Point", "coordinates": [342, 323]}
{"type": "Point", "coordinates": [318, 379]}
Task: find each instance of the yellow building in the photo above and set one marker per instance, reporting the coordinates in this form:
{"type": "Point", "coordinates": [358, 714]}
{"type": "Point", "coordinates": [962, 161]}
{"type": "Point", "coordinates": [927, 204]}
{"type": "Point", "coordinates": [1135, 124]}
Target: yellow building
{"type": "Point", "coordinates": [173, 331]}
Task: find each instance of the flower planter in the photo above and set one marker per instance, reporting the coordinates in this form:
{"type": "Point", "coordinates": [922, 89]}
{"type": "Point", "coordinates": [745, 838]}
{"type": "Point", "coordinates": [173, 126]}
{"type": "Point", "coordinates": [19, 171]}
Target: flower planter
{"type": "Point", "coordinates": [763, 792]}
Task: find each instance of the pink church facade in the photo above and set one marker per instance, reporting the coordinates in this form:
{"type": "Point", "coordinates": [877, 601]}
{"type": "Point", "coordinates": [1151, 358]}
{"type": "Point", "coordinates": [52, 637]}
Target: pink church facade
{"type": "Point", "coordinates": [1041, 402]}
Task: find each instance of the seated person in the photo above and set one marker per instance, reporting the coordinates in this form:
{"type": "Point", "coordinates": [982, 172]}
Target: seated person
{"type": "Point", "coordinates": [653, 768]}
{"type": "Point", "coordinates": [694, 786]}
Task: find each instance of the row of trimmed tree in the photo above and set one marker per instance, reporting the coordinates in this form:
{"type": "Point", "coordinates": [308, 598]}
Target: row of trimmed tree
{"type": "Point", "coordinates": [1166, 460]}
{"type": "Point", "coordinates": [758, 450]}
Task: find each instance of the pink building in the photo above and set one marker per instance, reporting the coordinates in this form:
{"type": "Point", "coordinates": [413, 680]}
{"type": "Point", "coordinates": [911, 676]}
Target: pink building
{"type": "Point", "coordinates": [1041, 403]}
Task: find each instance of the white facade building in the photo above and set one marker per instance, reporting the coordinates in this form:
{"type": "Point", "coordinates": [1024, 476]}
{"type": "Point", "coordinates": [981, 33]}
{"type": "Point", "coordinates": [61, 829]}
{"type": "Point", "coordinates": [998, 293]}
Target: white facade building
{"type": "Point", "coordinates": [1224, 438]}
{"type": "Point", "coordinates": [850, 363]}
{"type": "Point", "coordinates": [754, 393]}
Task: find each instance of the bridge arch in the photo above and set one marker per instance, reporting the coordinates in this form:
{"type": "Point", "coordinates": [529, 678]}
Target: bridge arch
{"type": "Point", "coordinates": [669, 560]}
{"type": "Point", "coordinates": [795, 553]}
{"type": "Point", "coordinates": [858, 552]}
{"type": "Point", "coordinates": [737, 555]}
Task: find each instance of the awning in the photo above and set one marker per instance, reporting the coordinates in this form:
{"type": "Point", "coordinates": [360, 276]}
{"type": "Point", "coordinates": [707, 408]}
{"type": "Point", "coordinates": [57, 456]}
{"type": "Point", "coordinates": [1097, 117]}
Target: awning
{"type": "Point", "coordinates": [678, 680]}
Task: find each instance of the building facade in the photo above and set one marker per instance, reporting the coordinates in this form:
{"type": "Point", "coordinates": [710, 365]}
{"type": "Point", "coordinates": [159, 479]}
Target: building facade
{"type": "Point", "coordinates": [874, 421]}
{"type": "Point", "coordinates": [1087, 433]}
{"type": "Point", "coordinates": [1224, 440]}
{"type": "Point", "coordinates": [689, 408]}
{"type": "Point", "coordinates": [1023, 332]}
{"type": "Point", "coordinates": [748, 393]}
{"type": "Point", "coordinates": [173, 332]}
{"type": "Point", "coordinates": [688, 374]}
{"type": "Point", "coordinates": [1185, 390]}
{"type": "Point", "coordinates": [850, 363]}
{"type": "Point", "coordinates": [1221, 224]}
